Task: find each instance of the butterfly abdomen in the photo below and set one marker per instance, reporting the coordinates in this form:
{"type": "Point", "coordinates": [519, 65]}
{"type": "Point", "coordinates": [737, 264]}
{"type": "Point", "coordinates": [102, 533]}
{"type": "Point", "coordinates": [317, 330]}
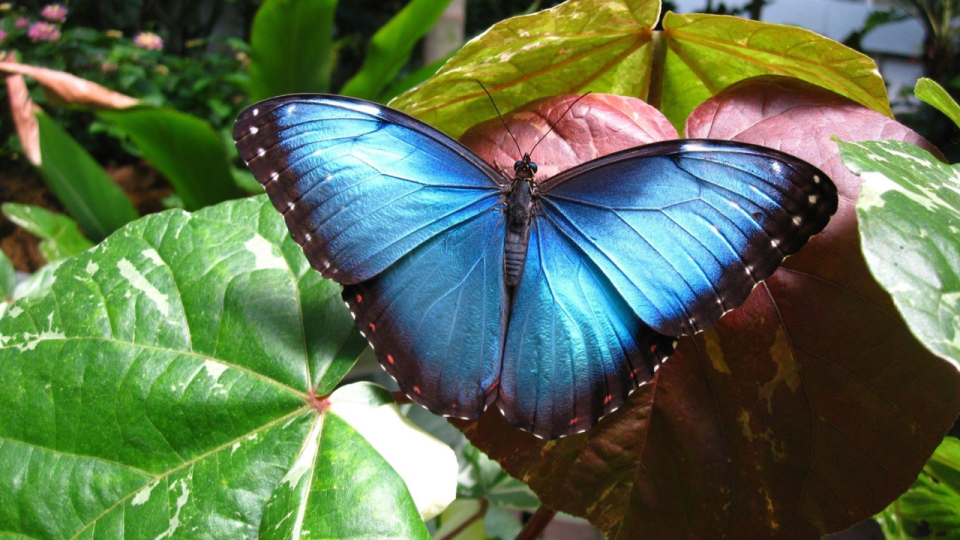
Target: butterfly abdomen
{"type": "Point", "coordinates": [519, 211]}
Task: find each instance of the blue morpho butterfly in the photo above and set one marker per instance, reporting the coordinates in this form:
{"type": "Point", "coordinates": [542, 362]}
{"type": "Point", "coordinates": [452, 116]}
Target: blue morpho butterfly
{"type": "Point", "coordinates": [553, 300]}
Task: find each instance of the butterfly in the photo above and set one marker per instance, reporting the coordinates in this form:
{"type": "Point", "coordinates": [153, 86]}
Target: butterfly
{"type": "Point", "coordinates": [553, 300]}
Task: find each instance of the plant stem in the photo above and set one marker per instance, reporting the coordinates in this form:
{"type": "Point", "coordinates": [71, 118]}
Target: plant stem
{"type": "Point", "coordinates": [659, 55]}
{"type": "Point", "coordinates": [535, 527]}
{"type": "Point", "coordinates": [484, 504]}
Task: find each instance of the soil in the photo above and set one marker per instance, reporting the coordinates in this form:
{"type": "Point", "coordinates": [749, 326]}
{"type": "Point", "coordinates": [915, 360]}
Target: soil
{"type": "Point", "coordinates": [143, 185]}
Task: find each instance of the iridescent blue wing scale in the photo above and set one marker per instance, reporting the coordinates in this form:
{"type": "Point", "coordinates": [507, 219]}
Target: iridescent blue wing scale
{"type": "Point", "coordinates": [410, 221]}
{"type": "Point", "coordinates": [437, 318]}
{"type": "Point", "coordinates": [353, 179]}
{"type": "Point", "coordinates": [685, 229]}
{"type": "Point", "coordinates": [574, 349]}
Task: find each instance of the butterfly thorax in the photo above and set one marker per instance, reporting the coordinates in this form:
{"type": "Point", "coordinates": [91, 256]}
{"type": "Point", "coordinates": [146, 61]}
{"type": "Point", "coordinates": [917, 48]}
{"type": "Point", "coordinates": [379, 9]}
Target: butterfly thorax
{"type": "Point", "coordinates": [519, 214]}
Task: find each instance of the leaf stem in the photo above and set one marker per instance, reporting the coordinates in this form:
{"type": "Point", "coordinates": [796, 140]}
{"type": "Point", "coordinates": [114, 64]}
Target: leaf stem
{"type": "Point", "coordinates": [482, 511]}
{"type": "Point", "coordinates": [537, 524]}
{"type": "Point", "coordinates": [657, 67]}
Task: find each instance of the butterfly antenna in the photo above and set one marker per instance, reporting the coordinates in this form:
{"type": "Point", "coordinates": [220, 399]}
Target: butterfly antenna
{"type": "Point", "coordinates": [557, 122]}
{"type": "Point", "coordinates": [501, 117]}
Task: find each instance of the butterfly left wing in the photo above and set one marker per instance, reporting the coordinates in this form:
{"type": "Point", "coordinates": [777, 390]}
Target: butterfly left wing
{"type": "Point", "coordinates": [360, 185]}
{"type": "Point", "coordinates": [436, 319]}
{"type": "Point", "coordinates": [685, 229]}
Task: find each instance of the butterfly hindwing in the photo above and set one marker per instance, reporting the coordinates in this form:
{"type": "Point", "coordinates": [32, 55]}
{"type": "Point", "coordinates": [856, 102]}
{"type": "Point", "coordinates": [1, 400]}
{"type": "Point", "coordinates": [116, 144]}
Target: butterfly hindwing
{"type": "Point", "coordinates": [685, 229]}
{"type": "Point", "coordinates": [574, 349]}
{"type": "Point", "coordinates": [359, 185]}
{"type": "Point", "coordinates": [436, 318]}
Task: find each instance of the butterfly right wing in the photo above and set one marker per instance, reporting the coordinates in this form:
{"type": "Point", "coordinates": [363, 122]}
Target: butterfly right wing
{"type": "Point", "coordinates": [437, 318]}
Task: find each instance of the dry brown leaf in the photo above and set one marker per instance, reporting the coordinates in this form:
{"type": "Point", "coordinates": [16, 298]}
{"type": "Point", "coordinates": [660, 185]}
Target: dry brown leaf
{"type": "Point", "coordinates": [66, 88]}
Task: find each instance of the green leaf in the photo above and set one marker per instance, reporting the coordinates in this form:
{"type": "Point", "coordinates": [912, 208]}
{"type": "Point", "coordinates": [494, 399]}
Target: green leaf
{"type": "Point", "coordinates": [909, 218]}
{"type": "Point", "coordinates": [290, 47]}
{"type": "Point", "coordinates": [167, 389]}
{"type": "Point", "coordinates": [608, 46]}
{"type": "Point", "coordinates": [415, 77]}
{"type": "Point", "coordinates": [60, 237]}
{"type": "Point", "coordinates": [390, 48]}
{"type": "Point", "coordinates": [8, 277]}
{"type": "Point", "coordinates": [932, 500]}
{"type": "Point", "coordinates": [360, 459]}
{"type": "Point", "coordinates": [598, 45]}
{"type": "Point", "coordinates": [465, 517]}
{"type": "Point", "coordinates": [484, 478]}
{"type": "Point", "coordinates": [81, 185]}
{"type": "Point", "coordinates": [707, 53]}
{"type": "Point", "coordinates": [184, 148]}
{"type": "Point", "coordinates": [38, 283]}
{"type": "Point", "coordinates": [928, 91]}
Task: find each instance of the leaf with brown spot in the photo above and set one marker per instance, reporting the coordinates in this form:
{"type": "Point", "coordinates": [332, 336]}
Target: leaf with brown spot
{"type": "Point", "coordinates": [826, 407]}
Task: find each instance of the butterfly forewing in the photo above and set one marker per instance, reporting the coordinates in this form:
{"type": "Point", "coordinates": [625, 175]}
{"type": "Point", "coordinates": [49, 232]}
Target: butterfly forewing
{"type": "Point", "coordinates": [353, 179]}
{"type": "Point", "coordinates": [685, 229]}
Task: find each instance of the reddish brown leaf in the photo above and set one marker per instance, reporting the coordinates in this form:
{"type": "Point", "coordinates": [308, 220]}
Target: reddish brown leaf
{"type": "Point", "coordinates": [66, 88]}
{"type": "Point", "coordinates": [598, 125]}
{"type": "Point", "coordinates": [801, 413]}
{"type": "Point", "coordinates": [23, 110]}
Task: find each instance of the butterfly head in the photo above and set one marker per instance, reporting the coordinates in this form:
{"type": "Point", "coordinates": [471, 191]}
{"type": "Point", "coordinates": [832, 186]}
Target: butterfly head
{"type": "Point", "coordinates": [525, 168]}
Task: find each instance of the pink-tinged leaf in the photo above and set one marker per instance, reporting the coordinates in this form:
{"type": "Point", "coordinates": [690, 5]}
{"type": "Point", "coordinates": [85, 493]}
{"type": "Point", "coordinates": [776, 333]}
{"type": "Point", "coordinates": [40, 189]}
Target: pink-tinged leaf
{"type": "Point", "coordinates": [624, 122]}
{"type": "Point", "coordinates": [23, 110]}
{"type": "Point", "coordinates": [801, 413]}
{"type": "Point", "coordinates": [66, 88]}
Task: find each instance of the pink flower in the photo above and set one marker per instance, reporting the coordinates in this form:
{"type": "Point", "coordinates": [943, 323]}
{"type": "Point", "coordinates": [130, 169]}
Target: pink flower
{"type": "Point", "coordinates": [22, 22]}
{"type": "Point", "coordinates": [3, 36]}
{"type": "Point", "coordinates": [54, 12]}
{"type": "Point", "coordinates": [148, 41]}
{"type": "Point", "coordinates": [42, 31]}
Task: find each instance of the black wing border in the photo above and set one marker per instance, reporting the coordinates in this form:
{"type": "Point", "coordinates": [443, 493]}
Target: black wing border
{"type": "Point", "coordinates": [246, 119]}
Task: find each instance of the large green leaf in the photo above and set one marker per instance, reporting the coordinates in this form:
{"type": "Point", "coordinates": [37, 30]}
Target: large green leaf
{"type": "Point", "coordinates": [931, 507]}
{"type": "Point", "coordinates": [168, 388]}
{"type": "Point", "coordinates": [930, 92]}
{"type": "Point", "coordinates": [390, 48]}
{"type": "Point", "coordinates": [60, 237]}
{"type": "Point", "coordinates": [81, 185]}
{"type": "Point", "coordinates": [290, 47]}
{"type": "Point", "coordinates": [608, 46]}
{"type": "Point", "coordinates": [184, 148]}
{"type": "Point", "coordinates": [909, 216]}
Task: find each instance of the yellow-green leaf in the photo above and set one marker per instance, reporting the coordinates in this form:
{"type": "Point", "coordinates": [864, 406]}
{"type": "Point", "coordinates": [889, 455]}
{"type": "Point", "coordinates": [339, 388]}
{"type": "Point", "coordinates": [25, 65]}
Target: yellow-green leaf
{"type": "Point", "coordinates": [707, 53]}
{"type": "Point", "coordinates": [933, 94]}
{"type": "Point", "coordinates": [598, 45]}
